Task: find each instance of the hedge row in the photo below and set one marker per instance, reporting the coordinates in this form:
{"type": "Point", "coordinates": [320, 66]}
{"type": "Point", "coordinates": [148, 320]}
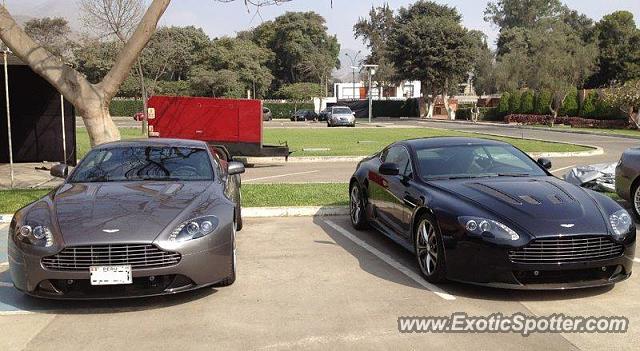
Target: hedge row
{"type": "Point", "coordinates": [486, 114]}
{"type": "Point", "coordinates": [575, 122]}
{"type": "Point", "coordinates": [530, 102]}
{"type": "Point", "coordinates": [125, 108]}
{"type": "Point", "coordinates": [286, 109]}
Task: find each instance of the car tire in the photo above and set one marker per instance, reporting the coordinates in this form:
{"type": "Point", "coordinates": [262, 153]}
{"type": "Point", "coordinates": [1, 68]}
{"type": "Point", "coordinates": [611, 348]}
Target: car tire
{"type": "Point", "coordinates": [232, 277]}
{"type": "Point", "coordinates": [429, 247]}
{"type": "Point", "coordinates": [357, 207]}
{"type": "Point", "coordinates": [635, 199]}
{"type": "Point", "coordinates": [239, 211]}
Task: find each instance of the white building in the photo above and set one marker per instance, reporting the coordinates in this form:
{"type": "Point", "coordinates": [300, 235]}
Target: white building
{"type": "Point", "coordinates": [358, 90]}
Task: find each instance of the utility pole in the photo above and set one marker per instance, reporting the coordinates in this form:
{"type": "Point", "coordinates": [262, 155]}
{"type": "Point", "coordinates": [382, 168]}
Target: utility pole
{"type": "Point", "coordinates": [355, 65]}
{"type": "Point", "coordinates": [372, 70]}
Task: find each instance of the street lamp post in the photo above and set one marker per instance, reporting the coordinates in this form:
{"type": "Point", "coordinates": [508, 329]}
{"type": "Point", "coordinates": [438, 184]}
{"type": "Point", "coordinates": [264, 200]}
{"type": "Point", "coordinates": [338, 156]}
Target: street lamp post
{"type": "Point", "coordinates": [372, 70]}
{"type": "Point", "coordinates": [354, 66]}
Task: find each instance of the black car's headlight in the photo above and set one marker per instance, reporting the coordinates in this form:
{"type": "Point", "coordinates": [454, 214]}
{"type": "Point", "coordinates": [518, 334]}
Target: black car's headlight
{"type": "Point", "coordinates": [36, 234]}
{"type": "Point", "coordinates": [194, 228]}
{"type": "Point", "coordinates": [621, 223]}
{"type": "Point", "coordinates": [487, 228]}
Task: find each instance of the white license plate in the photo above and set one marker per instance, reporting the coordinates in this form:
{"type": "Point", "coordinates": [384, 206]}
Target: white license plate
{"type": "Point", "coordinates": [110, 275]}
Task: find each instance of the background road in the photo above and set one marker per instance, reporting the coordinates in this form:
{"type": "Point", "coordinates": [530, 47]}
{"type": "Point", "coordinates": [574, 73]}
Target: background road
{"type": "Point", "coordinates": [308, 283]}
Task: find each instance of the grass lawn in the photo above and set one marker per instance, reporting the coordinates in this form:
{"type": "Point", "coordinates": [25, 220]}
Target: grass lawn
{"type": "Point", "coordinates": [366, 141]}
{"type": "Point", "coordinates": [253, 195]}
{"type": "Point", "coordinates": [350, 141]}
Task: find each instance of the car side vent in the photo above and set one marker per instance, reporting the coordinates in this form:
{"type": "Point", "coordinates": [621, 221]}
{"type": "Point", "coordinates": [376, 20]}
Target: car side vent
{"type": "Point", "coordinates": [496, 193]}
{"type": "Point", "coordinates": [530, 199]}
{"type": "Point", "coordinates": [555, 199]}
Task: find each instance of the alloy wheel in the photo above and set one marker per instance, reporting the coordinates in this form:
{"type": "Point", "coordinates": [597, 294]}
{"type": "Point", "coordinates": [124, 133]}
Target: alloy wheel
{"type": "Point", "coordinates": [427, 247]}
{"type": "Point", "coordinates": [355, 205]}
{"type": "Point", "coordinates": [636, 200]}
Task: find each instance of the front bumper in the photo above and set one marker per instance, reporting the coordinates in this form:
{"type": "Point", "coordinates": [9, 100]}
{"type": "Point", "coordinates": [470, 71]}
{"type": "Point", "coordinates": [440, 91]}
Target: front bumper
{"type": "Point", "coordinates": [485, 264]}
{"type": "Point", "coordinates": [205, 261]}
{"type": "Point", "coordinates": [342, 122]}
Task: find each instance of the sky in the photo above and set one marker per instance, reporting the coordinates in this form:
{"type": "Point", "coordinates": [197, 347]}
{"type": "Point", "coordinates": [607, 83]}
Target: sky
{"type": "Point", "coordinates": [219, 19]}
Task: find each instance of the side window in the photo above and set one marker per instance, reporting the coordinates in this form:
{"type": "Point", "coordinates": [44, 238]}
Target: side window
{"type": "Point", "coordinates": [399, 156]}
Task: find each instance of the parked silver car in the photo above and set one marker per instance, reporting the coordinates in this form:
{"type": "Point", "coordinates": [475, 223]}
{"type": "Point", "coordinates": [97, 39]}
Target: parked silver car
{"type": "Point", "coordinates": [341, 116]}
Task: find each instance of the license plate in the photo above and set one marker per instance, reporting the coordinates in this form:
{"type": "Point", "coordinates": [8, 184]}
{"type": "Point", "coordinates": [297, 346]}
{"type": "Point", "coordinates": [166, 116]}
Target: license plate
{"type": "Point", "coordinates": [110, 275]}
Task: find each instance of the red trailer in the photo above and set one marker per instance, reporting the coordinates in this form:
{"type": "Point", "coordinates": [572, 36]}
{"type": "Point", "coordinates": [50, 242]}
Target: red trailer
{"type": "Point", "coordinates": [235, 124]}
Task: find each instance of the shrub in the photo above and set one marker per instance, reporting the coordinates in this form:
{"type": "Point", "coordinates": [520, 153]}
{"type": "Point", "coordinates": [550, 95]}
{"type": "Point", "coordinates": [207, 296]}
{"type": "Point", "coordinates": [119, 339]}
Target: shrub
{"type": "Point", "coordinates": [574, 122]}
{"type": "Point", "coordinates": [503, 105]}
{"type": "Point", "coordinates": [486, 114]}
{"type": "Point", "coordinates": [542, 103]}
{"type": "Point", "coordinates": [514, 102]}
{"type": "Point", "coordinates": [527, 102]}
{"type": "Point", "coordinates": [284, 110]}
{"type": "Point", "coordinates": [173, 88]}
{"type": "Point", "coordinates": [588, 108]}
{"type": "Point", "coordinates": [570, 106]}
{"type": "Point", "coordinates": [125, 108]}
{"type": "Point", "coordinates": [605, 110]}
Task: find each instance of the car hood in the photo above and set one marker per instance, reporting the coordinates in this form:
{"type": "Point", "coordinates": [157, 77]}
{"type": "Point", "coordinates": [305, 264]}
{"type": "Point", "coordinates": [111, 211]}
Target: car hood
{"type": "Point", "coordinates": [543, 206]}
{"type": "Point", "coordinates": [131, 212]}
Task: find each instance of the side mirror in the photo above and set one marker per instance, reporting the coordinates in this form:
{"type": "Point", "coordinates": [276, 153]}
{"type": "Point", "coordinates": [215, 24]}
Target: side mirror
{"type": "Point", "coordinates": [235, 168]}
{"type": "Point", "coordinates": [60, 170]}
{"type": "Point", "coordinates": [544, 162]}
{"type": "Point", "coordinates": [389, 169]}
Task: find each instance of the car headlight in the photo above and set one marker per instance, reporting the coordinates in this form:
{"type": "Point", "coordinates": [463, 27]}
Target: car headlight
{"type": "Point", "coordinates": [35, 234]}
{"type": "Point", "coordinates": [194, 228]}
{"type": "Point", "coordinates": [487, 227]}
{"type": "Point", "coordinates": [620, 223]}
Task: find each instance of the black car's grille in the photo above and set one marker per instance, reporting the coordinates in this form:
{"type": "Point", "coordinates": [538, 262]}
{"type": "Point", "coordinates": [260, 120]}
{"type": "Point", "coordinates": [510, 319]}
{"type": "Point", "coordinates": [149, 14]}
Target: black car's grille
{"type": "Point", "coordinates": [136, 255]}
{"type": "Point", "coordinates": [563, 250]}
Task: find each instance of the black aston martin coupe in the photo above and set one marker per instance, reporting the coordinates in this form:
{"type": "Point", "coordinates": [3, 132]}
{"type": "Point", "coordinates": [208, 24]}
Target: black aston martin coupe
{"type": "Point", "coordinates": [484, 212]}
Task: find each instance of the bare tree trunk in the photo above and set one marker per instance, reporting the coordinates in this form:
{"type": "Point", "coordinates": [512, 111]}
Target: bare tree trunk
{"type": "Point", "coordinates": [634, 117]}
{"type": "Point", "coordinates": [91, 100]}
{"type": "Point", "coordinates": [556, 104]}
{"type": "Point", "coordinates": [428, 101]}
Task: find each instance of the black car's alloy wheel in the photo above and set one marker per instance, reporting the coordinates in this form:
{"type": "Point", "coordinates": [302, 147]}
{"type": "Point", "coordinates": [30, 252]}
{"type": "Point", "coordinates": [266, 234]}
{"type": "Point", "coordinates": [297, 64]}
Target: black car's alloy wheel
{"type": "Point", "coordinates": [636, 200]}
{"type": "Point", "coordinates": [429, 250]}
{"type": "Point", "coordinates": [232, 277]}
{"type": "Point", "coordinates": [357, 208]}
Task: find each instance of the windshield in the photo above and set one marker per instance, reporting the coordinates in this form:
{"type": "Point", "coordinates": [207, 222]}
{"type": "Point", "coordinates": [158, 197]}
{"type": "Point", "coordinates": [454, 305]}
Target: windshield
{"type": "Point", "coordinates": [470, 161]}
{"type": "Point", "coordinates": [137, 163]}
{"type": "Point", "coordinates": [342, 111]}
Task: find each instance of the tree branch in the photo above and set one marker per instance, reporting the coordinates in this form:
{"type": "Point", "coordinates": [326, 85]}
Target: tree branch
{"type": "Point", "coordinates": [67, 80]}
{"type": "Point", "coordinates": [132, 49]}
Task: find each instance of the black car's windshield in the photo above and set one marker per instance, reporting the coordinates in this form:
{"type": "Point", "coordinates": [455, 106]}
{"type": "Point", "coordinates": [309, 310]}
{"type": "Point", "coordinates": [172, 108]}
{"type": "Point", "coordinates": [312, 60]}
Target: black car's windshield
{"type": "Point", "coordinates": [470, 161]}
{"type": "Point", "coordinates": [342, 111]}
{"type": "Point", "coordinates": [136, 163]}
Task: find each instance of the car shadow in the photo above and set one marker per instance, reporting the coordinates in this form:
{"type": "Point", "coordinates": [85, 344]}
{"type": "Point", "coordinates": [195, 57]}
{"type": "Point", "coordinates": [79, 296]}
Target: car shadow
{"type": "Point", "coordinates": [373, 266]}
{"type": "Point", "coordinates": [14, 301]}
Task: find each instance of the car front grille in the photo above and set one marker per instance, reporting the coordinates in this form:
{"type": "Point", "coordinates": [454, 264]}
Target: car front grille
{"type": "Point", "coordinates": [564, 250]}
{"type": "Point", "coordinates": [136, 255]}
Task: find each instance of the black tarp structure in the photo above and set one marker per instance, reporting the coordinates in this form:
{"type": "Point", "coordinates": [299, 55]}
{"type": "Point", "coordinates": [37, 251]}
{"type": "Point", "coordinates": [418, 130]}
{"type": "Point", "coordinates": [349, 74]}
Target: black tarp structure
{"type": "Point", "coordinates": [36, 118]}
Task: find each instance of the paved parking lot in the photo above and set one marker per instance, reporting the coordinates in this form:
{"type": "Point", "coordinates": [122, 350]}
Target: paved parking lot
{"type": "Point", "coordinates": [312, 283]}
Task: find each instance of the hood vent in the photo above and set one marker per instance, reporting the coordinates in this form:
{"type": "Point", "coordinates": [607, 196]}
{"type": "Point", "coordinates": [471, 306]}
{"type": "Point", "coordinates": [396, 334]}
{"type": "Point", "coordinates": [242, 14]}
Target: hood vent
{"type": "Point", "coordinates": [496, 193]}
{"type": "Point", "coordinates": [530, 199]}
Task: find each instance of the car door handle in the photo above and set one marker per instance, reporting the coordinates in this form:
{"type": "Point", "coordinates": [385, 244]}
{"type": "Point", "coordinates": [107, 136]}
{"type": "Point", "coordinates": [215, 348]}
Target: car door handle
{"type": "Point", "coordinates": [409, 200]}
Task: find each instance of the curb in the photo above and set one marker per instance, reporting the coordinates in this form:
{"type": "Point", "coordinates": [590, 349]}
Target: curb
{"type": "Point", "coordinates": [5, 218]}
{"type": "Point", "coordinates": [311, 211]}
{"type": "Point", "coordinates": [545, 129]}
{"type": "Point", "coordinates": [596, 150]}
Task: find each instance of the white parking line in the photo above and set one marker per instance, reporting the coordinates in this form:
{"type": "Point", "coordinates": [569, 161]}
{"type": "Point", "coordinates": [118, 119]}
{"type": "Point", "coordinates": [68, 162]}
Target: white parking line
{"type": "Point", "coordinates": [2, 264]}
{"type": "Point", "coordinates": [392, 262]}
{"type": "Point", "coordinates": [278, 176]}
{"type": "Point", "coordinates": [6, 285]}
{"type": "Point", "coordinates": [636, 260]}
{"type": "Point", "coordinates": [562, 169]}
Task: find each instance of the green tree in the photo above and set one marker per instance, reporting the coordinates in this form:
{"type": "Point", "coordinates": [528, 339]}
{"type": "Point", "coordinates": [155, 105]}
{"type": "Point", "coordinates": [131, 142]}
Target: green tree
{"type": "Point", "coordinates": [627, 99]}
{"type": "Point", "coordinates": [527, 102]}
{"type": "Point", "coordinates": [503, 106]}
{"type": "Point", "coordinates": [376, 31]}
{"type": "Point", "coordinates": [588, 107]}
{"type": "Point", "coordinates": [94, 58]}
{"type": "Point", "coordinates": [570, 106]}
{"type": "Point", "coordinates": [484, 80]}
{"type": "Point", "coordinates": [430, 45]}
{"type": "Point", "coordinates": [294, 38]}
{"type": "Point", "coordinates": [51, 33]}
{"type": "Point", "coordinates": [222, 83]}
{"type": "Point", "coordinates": [187, 46]}
{"type": "Point", "coordinates": [515, 102]}
{"type": "Point", "coordinates": [619, 44]}
{"type": "Point", "coordinates": [543, 102]}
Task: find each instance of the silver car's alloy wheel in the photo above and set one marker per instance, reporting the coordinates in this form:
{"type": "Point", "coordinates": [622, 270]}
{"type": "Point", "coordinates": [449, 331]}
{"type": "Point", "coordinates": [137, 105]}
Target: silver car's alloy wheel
{"type": "Point", "coordinates": [234, 249]}
{"type": "Point", "coordinates": [355, 205]}
{"type": "Point", "coordinates": [427, 247]}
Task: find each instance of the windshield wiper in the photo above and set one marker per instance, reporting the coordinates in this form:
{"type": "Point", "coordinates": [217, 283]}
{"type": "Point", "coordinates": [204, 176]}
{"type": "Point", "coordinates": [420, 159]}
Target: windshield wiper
{"type": "Point", "coordinates": [514, 175]}
{"type": "Point", "coordinates": [454, 177]}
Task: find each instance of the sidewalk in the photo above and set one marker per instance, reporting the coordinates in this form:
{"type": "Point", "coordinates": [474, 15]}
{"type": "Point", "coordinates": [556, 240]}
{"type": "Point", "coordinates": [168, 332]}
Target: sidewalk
{"type": "Point", "coordinates": [26, 176]}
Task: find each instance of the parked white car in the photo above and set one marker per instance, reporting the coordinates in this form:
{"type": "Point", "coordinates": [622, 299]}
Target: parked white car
{"type": "Point", "coordinates": [341, 116]}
